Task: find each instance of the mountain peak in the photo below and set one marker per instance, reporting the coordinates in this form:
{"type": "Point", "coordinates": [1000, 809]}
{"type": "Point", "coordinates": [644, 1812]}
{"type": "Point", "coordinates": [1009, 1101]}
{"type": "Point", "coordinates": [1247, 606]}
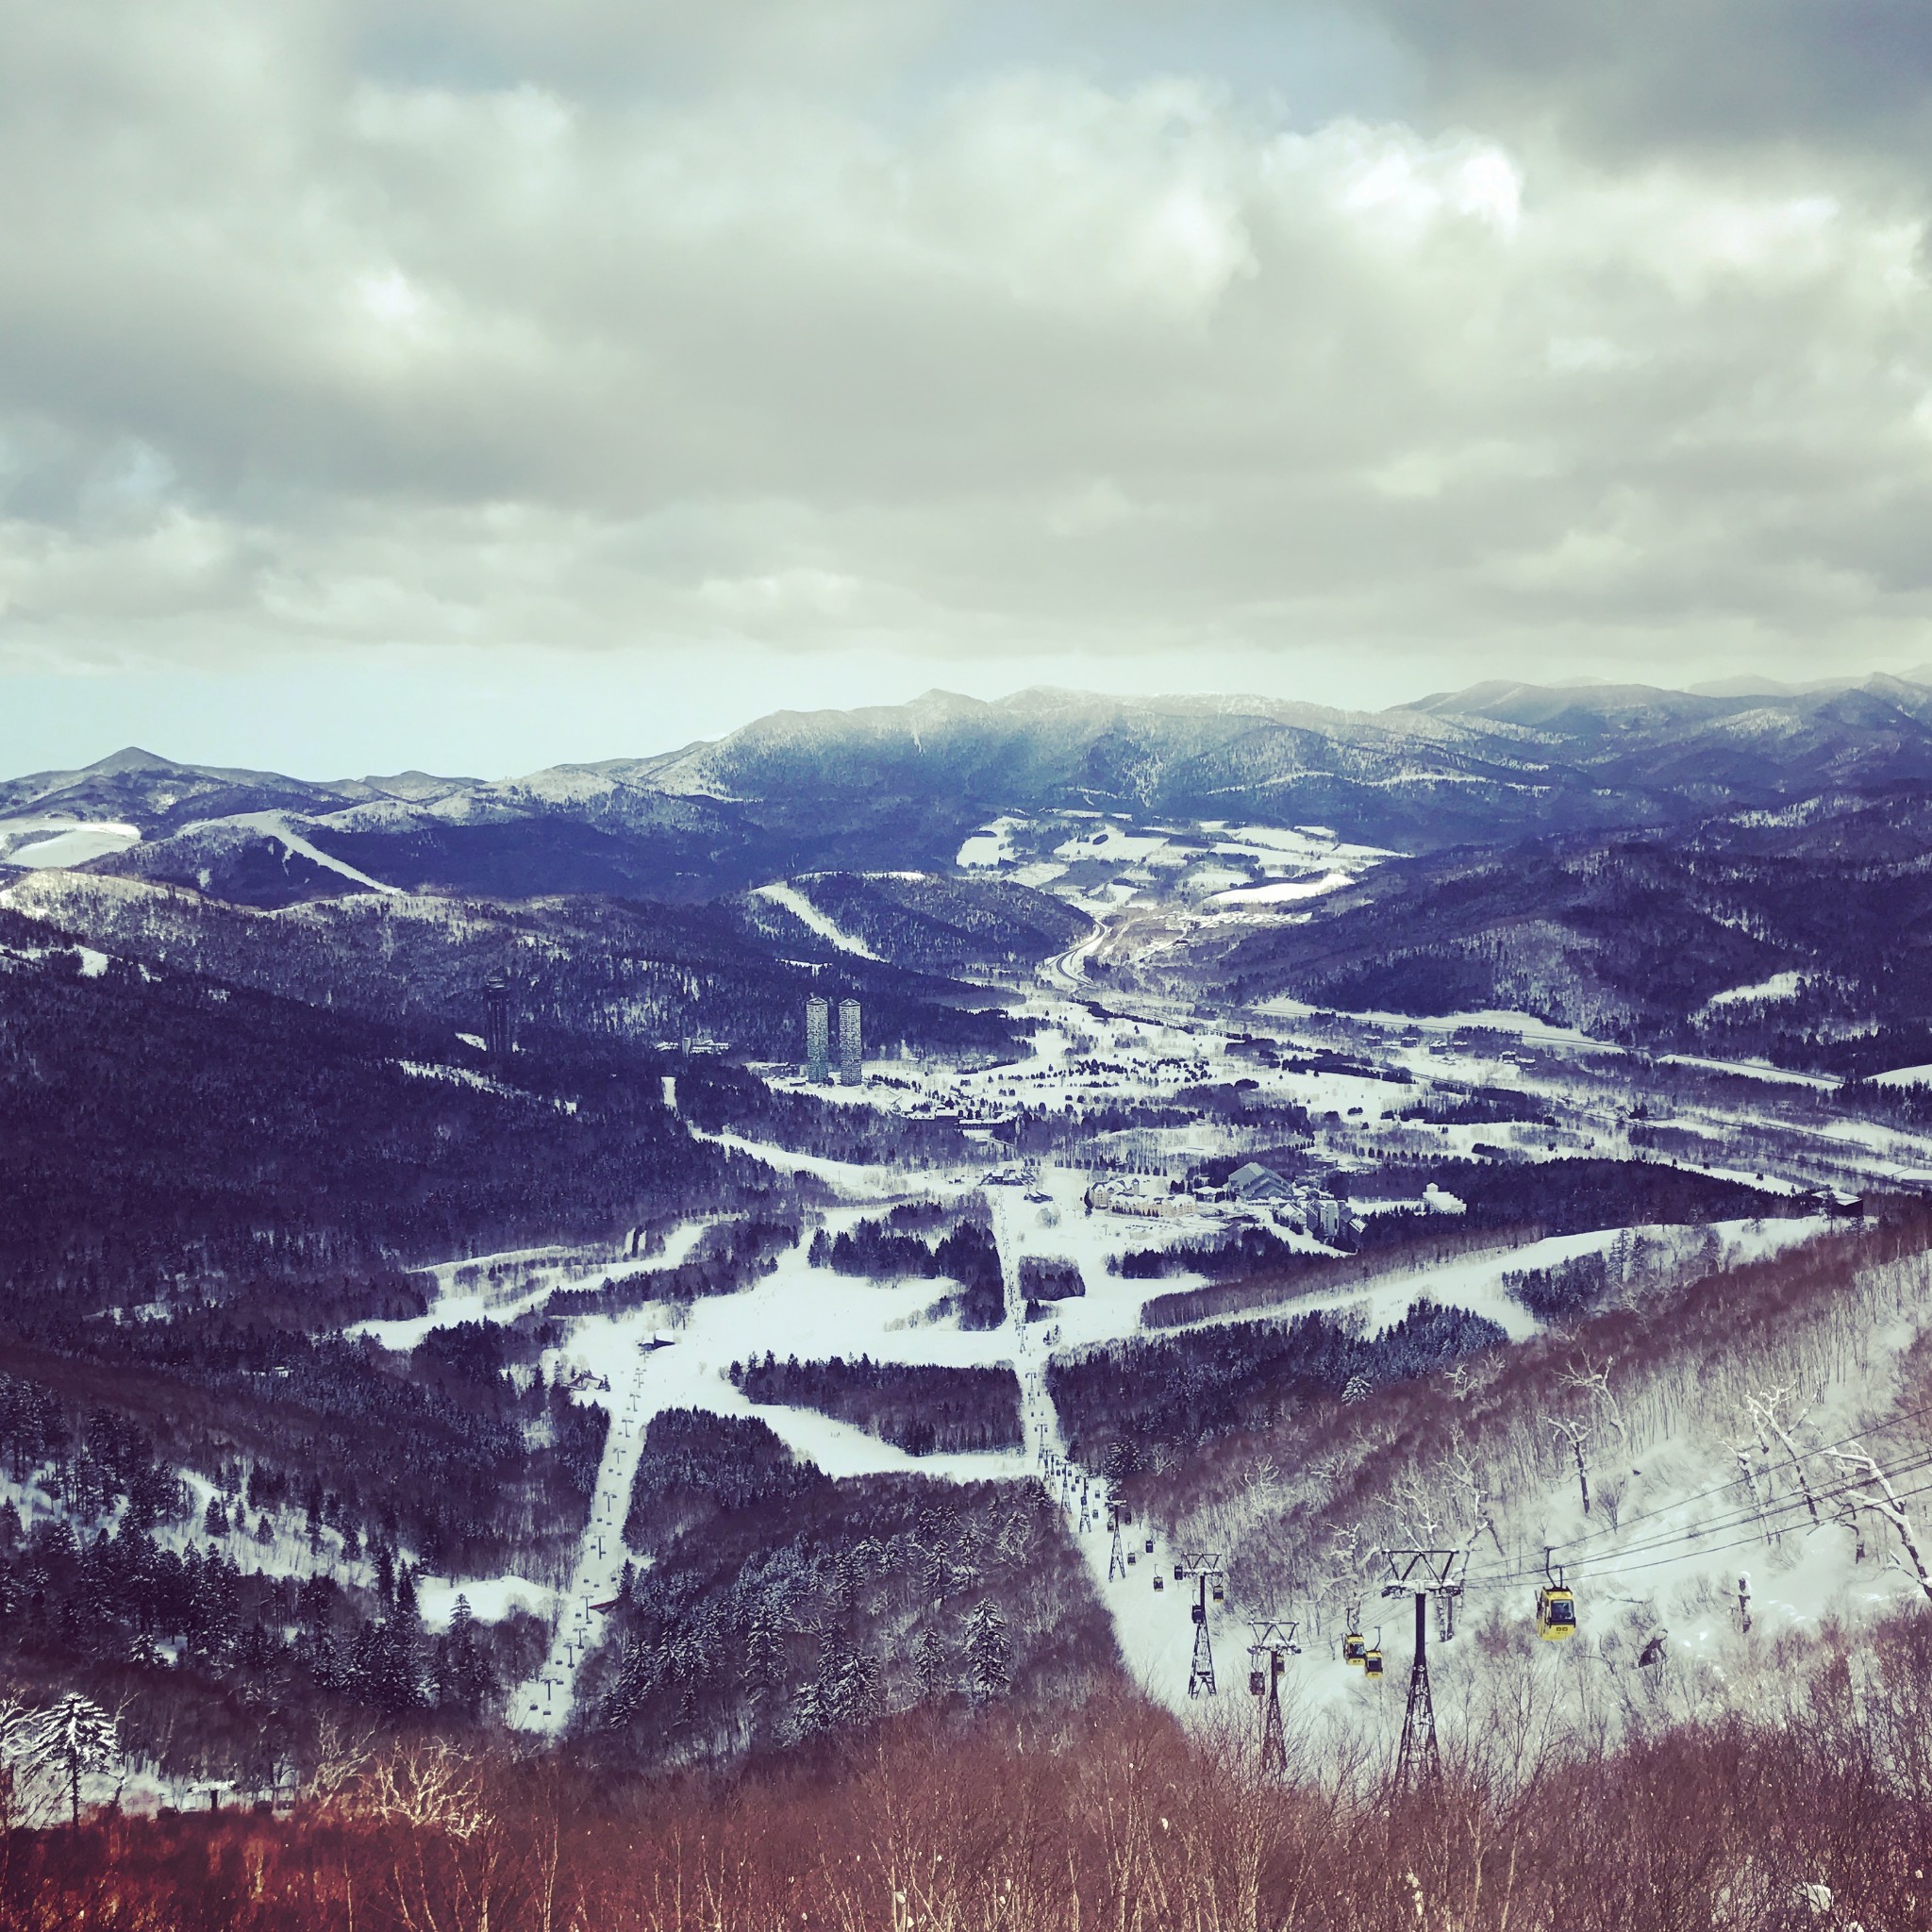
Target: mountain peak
{"type": "Point", "coordinates": [130, 758]}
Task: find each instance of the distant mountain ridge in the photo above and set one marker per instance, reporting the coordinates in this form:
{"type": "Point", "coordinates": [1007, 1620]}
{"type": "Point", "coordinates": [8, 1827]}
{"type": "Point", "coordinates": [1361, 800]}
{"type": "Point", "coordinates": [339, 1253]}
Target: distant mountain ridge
{"type": "Point", "coordinates": [902, 785]}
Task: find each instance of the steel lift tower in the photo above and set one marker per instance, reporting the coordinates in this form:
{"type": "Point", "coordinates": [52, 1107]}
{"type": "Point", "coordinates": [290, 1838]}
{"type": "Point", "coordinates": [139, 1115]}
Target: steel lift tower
{"type": "Point", "coordinates": [1268, 1656]}
{"type": "Point", "coordinates": [1116, 1557]}
{"type": "Point", "coordinates": [1205, 1567]}
{"type": "Point", "coordinates": [1422, 1574]}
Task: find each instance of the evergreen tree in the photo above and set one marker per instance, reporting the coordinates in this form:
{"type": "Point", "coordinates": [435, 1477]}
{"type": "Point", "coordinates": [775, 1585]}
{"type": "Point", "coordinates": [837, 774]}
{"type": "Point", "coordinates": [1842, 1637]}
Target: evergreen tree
{"type": "Point", "coordinates": [76, 1735]}
{"type": "Point", "coordinates": [464, 1680]}
{"type": "Point", "coordinates": [930, 1663]}
{"type": "Point", "coordinates": [856, 1693]}
{"type": "Point", "coordinates": [764, 1657]}
{"type": "Point", "coordinates": [989, 1654]}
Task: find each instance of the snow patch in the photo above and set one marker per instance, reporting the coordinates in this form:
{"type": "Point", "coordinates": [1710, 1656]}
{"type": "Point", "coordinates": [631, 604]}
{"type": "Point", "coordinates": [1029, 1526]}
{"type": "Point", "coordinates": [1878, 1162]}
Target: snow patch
{"type": "Point", "coordinates": [1765, 992]}
{"type": "Point", "coordinates": [1284, 892]}
{"type": "Point", "coordinates": [991, 845]}
{"type": "Point", "coordinates": [490, 1598]}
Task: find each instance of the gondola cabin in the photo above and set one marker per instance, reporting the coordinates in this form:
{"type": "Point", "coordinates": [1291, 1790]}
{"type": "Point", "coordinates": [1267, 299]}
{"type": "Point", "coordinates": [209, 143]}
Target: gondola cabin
{"type": "Point", "coordinates": [1372, 1662]}
{"type": "Point", "coordinates": [1160, 1582]}
{"type": "Point", "coordinates": [1355, 1647]}
{"type": "Point", "coordinates": [1218, 1593]}
{"type": "Point", "coordinates": [1200, 1612]}
{"type": "Point", "coordinates": [1149, 1545]}
{"type": "Point", "coordinates": [1254, 1682]}
{"type": "Point", "coordinates": [1555, 1613]}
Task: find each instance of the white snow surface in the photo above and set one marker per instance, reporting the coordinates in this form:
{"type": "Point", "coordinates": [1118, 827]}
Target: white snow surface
{"type": "Point", "coordinates": [800, 909]}
{"type": "Point", "coordinates": [1779, 988]}
{"type": "Point", "coordinates": [1284, 892]}
{"type": "Point", "coordinates": [991, 845]}
{"type": "Point", "coordinates": [52, 844]}
{"type": "Point", "coordinates": [490, 1598]}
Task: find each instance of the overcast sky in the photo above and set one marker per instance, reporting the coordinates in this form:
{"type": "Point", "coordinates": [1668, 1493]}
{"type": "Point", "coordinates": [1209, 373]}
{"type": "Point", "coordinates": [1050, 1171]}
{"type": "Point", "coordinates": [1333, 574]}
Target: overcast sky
{"type": "Point", "coordinates": [481, 383]}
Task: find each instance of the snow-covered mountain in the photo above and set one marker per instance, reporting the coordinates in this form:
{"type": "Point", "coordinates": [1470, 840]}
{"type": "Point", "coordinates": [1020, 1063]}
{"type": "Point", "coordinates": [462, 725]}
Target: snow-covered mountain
{"type": "Point", "coordinates": [901, 785]}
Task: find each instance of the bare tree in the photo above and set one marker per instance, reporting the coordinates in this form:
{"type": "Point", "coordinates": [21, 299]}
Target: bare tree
{"type": "Point", "coordinates": [1766, 1408]}
{"type": "Point", "coordinates": [1881, 1500]}
{"type": "Point", "coordinates": [1594, 1384]}
{"type": "Point", "coordinates": [1577, 1434]}
{"type": "Point", "coordinates": [1749, 1477]}
{"type": "Point", "coordinates": [1478, 1506]}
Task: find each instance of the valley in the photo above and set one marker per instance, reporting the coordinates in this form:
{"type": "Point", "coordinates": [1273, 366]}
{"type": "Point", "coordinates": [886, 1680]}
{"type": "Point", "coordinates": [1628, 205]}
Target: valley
{"type": "Point", "coordinates": [516, 1334]}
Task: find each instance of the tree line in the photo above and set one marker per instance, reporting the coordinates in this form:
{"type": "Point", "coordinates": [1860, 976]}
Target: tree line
{"type": "Point", "coordinates": [1125, 1404]}
{"type": "Point", "coordinates": [921, 1409]}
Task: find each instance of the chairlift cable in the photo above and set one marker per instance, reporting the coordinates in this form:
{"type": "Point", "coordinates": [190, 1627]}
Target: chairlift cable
{"type": "Point", "coordinates": [1804, 1455]}
{"type": "Point", "coordinates": [1692, 1536]}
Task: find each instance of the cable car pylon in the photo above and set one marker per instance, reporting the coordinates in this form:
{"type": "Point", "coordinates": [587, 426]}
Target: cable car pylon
{"type": "Point", "coordinates": [1205, 1567]}
{"type": "Point", "coordinates": [1268, 1657]}
{"type": "Point", "coordinates": [1116, 1559]}
{"type": "Point", "coordinates": [1422, 1574]}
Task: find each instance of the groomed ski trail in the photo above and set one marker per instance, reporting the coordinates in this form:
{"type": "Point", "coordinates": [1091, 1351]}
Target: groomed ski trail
{"type": "Point", "coordinates": [1152, 1628]}
{"type": "Point", "coordinates": [543, 1704]}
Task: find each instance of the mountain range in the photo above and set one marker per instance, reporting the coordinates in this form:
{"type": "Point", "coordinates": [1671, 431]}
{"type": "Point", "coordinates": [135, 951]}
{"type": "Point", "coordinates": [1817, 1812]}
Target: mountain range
{"type": "Point", "coordinates": [901, 785]}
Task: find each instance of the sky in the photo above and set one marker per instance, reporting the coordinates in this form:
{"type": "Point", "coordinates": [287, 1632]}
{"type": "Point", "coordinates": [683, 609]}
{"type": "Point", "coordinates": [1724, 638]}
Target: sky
{"type": "Point", "coordinates": [476, 385]}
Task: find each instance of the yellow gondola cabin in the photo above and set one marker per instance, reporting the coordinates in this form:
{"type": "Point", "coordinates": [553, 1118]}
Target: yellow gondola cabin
{"type": "Point", "coordinates": [1555, 1613]}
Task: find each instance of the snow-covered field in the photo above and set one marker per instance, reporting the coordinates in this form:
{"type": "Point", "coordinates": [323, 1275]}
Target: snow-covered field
{"type": "Point", "coordinates": [40, 843]}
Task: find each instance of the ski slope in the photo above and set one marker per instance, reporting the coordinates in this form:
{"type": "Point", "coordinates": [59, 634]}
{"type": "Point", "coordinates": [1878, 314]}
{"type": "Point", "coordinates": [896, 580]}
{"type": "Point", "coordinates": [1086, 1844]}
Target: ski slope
{"type": "Point", "coordinates": [274, 826]}
{"type": "Point", "coordinates": [800, 909]}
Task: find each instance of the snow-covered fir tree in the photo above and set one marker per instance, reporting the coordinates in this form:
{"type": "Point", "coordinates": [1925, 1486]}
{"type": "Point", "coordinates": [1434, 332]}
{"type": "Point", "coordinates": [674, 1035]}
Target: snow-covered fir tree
{"type": "Point", "coordinates": [988, 1651]}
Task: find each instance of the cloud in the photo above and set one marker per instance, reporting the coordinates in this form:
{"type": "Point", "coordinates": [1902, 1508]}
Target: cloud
{"type": "Point", "coordinates": [491, 327]}
{"type": "Point", "coordinates": [1851, 76]}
